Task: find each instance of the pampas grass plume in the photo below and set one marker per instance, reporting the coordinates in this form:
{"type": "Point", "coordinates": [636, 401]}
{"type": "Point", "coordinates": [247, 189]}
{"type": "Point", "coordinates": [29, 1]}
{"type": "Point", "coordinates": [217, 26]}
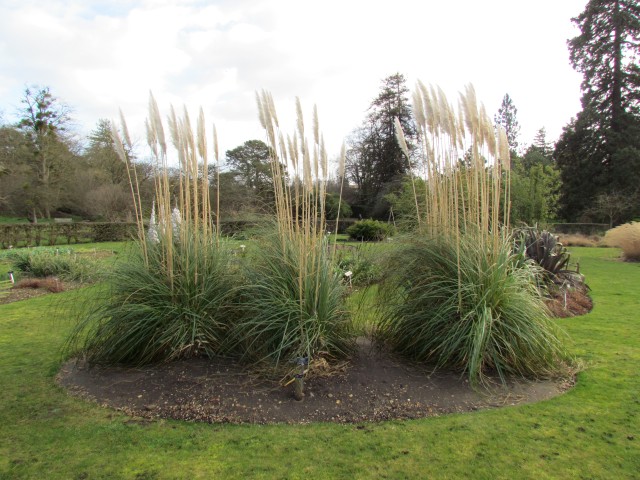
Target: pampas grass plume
{"type": "Point", "coordinates": [400, 136]}
{"type": "Point", "coordinates": [117, 141]}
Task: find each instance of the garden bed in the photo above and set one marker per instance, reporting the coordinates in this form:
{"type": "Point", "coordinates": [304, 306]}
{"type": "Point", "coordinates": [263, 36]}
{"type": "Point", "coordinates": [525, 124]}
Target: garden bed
{"type": "Point", "coordinates": [374, 386]}
{"type": "Point", "coordinates": [36, 288]}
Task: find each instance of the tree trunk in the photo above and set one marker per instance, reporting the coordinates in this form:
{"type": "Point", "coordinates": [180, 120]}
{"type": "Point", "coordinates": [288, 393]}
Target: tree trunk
{"type": "Point", "coordinates": [616, 88]}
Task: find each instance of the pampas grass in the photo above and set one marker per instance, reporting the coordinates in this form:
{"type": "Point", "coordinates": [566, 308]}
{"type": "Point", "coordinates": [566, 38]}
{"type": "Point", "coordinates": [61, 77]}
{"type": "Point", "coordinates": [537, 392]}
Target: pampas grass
{"type": "Point", "coordinates": [456, 294]}
{"type": "Point", "coordinates": [500, 326]}
{"type": "Point", "coordinates": [465, 163]}
{"type": "Point", "coordinates": [295, 296]}
{"type": "Point", "coordinates": [175, 297]}
{"type": "Point", "coordinates": [627, 237]}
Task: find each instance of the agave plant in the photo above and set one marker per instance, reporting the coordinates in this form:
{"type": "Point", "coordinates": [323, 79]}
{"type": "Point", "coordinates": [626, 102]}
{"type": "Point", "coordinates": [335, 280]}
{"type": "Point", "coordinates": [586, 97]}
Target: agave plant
{"type": "Point", "coordinates": [544, 249]}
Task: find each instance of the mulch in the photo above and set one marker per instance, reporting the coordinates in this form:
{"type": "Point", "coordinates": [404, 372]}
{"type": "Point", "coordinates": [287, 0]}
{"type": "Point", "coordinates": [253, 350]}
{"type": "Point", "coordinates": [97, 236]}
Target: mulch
{"type": "Point", "coordinates": [372, 386]}
{"type": "Point", "coordinates": [572, 302]}
{"type": "Point", "coordinates": [19, 291]}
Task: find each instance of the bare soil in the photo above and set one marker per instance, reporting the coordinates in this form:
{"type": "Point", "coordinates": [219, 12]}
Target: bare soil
{"type": "Point", "coordinates": [373, 386]}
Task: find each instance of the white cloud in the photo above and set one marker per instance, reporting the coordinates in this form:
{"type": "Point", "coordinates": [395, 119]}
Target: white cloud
{"type": "Point", "coordinates": [99, 56]}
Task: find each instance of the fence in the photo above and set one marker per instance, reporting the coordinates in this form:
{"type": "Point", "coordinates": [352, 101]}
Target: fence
{"type": "Point", "coordinates": [583, 228]}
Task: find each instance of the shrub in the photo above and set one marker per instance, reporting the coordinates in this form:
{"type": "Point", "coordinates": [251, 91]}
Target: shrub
{"type": "Point", "coordinates": [112, 232]}
{"type": "Point", "coordinates": [51, 284]}
{"type": "Point", "coordinates": [370, 230]}
{"type": "Point", "coordinates": [54, 233]}
{"type": "Point", "coordinates": [365, 271]}
{"type": "Point", "coordinates": [292, 307]}
{"type": "Point", "coordinates": [150, 312]}
{"type": "Point", "coordinates": [468, 308]}
{"type": "Point", "coordinates": [627, 237]}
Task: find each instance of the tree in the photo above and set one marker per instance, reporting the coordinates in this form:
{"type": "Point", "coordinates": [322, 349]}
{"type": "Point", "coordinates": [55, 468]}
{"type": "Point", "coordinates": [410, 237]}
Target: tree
{"type": "Point", "coordinates": [44, 121]}
{"type": "Point", "coordinates": [581, 168]}
{"type": "Point", "coordinates": [252, 167]}
{"type": "Point", "coordinates": [374, 158]}
{"type": "Point", "coordinates": [100, 154]}
{"type": "Point", "coordinates": [599, 152]}
{"type": "Point", "coordinates": [14, 153]}
{"type": "Point", "coordinates": [541, 145]}
{"type": "Point", "coordinates": [507, 118]}
{"type": "Point", "coordinates": [332, 202]}
{"type": "Point", "coordinates": [611, 207]}
{"type": "Point", "coordinates": [605, 53]}
{"type": "Point", "coordinates": [534, 192]}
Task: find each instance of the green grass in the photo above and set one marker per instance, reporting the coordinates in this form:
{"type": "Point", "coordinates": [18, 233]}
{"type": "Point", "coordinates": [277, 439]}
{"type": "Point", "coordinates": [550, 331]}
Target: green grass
{"type": "Point", "coordinates": [585, 433]}
{"type": "Point", "coordinates": [101, 256]}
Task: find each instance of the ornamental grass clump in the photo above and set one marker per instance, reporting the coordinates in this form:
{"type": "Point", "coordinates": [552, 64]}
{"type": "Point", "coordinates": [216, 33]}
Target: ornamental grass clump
{"type": "Point", "coordinates": [174, 296]}
{"type": "Point", "coordinates": [293, 307]}
{"type": "Point", "coordinates": [456, 294]}
{"type": "Point", "coordinates": [455, 306]}
{"type": "Point", "coordinates": [295, 298]}
{"type": "Point", "coordinates": [627, 237]}
{"type": "Point", "coordinates": [143, 317]}
{"type": "Point", "coordinates": [53, 262]}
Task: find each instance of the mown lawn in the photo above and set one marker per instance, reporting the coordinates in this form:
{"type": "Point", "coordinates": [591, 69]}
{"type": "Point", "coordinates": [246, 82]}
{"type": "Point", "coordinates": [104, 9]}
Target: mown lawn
{"type": "Point", "coordinates": [593, 431]}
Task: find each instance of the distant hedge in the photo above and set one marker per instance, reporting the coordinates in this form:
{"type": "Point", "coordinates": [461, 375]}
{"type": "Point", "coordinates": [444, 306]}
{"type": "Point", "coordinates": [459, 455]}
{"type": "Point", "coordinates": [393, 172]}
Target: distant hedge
{"type": "Point", "coordinates": [35, 235]}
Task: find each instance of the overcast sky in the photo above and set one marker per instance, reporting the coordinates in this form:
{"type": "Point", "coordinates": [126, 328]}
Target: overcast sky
{"type": "Point", "coordinates": [98, 56]}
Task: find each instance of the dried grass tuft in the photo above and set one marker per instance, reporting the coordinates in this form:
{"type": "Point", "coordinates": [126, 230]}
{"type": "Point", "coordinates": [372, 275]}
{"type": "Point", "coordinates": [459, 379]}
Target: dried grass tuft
{"type": "Point", "coordinates": [580, 240]}
{"type": "Point", "coordinates": [51, 284]}
{"type": "Point", "coordinates": [627, 237]}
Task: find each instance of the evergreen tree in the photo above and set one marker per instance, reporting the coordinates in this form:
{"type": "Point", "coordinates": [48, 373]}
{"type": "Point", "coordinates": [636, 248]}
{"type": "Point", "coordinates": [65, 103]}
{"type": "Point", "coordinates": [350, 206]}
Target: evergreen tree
{"type": "Point", "coordinates": [599, 152]}
{"type": "Point", "coordinates": [251, 162]}
{"type": "Point", "coordinates": [541, 144]}
{"type": "Point", "coordinates": [605, 53]}
{"type": "Point", "coordinates": [374, 159]}
{"type": "Point", "coordinates": [507, 118]}
{"type": "Point", "coordinates": [101, 155]}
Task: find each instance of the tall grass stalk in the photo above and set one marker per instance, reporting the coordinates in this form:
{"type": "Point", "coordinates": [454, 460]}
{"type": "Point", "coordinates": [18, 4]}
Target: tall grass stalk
{"type": "Point", "coordinates": [341, 170]}
{"type": "Point", "coordinates": [174, 298]}
{"type": "Point", "coordinates": [457, 294]}
{"type": "Point", "coordinates": [465, 162]}
{"type": "Point", "coordinates": [193, 205]}
{"type": "Point", "coordinates": [297, 272]}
